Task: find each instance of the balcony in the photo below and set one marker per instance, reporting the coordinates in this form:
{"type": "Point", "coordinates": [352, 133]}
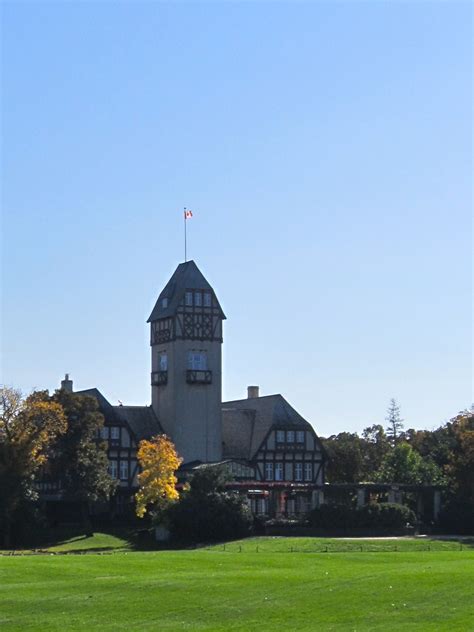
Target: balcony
{"type": "Point", "coordinates": [198, 377]}
{"type": "Point", "coordinates": [159, 378]}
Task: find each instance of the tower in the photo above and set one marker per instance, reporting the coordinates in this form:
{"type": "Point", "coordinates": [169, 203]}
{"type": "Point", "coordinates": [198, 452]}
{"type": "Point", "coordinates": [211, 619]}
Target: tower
{"type": "Point", "coordinates": [186, 364]}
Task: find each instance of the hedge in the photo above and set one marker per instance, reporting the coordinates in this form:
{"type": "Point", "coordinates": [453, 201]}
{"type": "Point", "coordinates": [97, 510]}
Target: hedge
{"type": "Point", "coordinates": [372, 516]}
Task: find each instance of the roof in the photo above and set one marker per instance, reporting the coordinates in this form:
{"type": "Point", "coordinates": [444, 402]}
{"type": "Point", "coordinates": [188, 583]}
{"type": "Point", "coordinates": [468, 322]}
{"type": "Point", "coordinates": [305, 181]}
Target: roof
{"type": "Point", "coordinates": [141, 419]}
{"type": "Point", "coordinates": [246, 423]}
{"type": "Point", "coordinates": [187, 276]}
{"type": "Point", "coordinates": [105, 406]}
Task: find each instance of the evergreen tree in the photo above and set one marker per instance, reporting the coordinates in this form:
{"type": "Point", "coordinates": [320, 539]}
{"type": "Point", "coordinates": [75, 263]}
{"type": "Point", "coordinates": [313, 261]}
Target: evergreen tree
{"type": "Point", "coordinates": [395, 422]}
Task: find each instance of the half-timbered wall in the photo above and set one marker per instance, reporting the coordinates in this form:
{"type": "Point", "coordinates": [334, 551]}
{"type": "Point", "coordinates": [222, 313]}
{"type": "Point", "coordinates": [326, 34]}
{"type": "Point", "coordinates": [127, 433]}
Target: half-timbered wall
{"type": "Point", "coordinates": [186, 376]}
{"type": "Point", "coordinates": [122, 455]}
{"type": "Point", "coordinates": [288, 456]}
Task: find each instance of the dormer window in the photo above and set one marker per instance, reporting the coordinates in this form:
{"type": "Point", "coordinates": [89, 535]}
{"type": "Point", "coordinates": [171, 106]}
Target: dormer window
{"type": "Point", "coordinates": [164, 303]}
{"type": "Point", "coordinates": [207, 299]}
{"type": "Point", "coordinates": [188, 299]}
{"type": "Point", "coordinates": [197, 299]}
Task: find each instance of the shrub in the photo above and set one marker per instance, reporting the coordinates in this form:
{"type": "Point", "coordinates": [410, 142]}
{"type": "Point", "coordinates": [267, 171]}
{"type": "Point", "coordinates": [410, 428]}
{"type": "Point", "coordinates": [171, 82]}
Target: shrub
{"type": "Point", "coordinates": [457, 517]}
{"type": "Point", "coordinates": [373, 516]}
{"type": "Point", "coordinates": [207, 512]}
{"type": "Point", "coordinates": [332, 517]}
{"type": "Point", "coordinates": [217, 516]}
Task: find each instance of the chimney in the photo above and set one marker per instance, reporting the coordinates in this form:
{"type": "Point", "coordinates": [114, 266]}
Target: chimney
{"type": "Point", "coordinates": [252, 391]}
{"type": "Point", "coordinates": [66, 384]}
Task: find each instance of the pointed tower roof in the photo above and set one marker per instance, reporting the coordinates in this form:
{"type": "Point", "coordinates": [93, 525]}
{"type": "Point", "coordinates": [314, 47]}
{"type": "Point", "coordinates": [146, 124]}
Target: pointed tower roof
{"type": "Point", "coordinates": [187, 276]}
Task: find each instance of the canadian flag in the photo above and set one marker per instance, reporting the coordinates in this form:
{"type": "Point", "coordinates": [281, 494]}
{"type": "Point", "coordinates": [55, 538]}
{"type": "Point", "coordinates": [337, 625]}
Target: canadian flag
{"type": "Point", "coordinates": [187, 214]}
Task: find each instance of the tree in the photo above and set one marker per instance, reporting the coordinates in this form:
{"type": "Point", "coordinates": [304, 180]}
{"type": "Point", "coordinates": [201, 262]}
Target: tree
{"type": "Point", "coordinates": [28, 427]}
{"type": "Point", "coordinates": [404, 465]}
{"type": "Point", "coordinates": [376, 445]}
{"type": "Point", "coordinates": [158, 461]}
{"type": "Point", "coordinates": [208, 511]}
{"type": "Point", "coordinates": [345, 458]}
{"type": "Point", "coordinates": [395, 422]}
{"type": "Point", "coordinates": [460, 465]}
{"type": "Point", "coordinates": [81, 460]}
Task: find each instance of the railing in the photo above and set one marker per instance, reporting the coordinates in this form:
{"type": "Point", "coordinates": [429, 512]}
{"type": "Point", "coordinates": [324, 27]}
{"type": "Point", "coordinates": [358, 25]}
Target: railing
{"type": "Point", "coordinates": [159, 378]}
{"type": "Point", "coordinates": [198, 377]}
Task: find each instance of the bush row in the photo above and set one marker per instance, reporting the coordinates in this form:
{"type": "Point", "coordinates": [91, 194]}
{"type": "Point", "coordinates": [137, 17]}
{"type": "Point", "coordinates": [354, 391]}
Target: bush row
{"type": "Point", "coordinates": [372, 516]}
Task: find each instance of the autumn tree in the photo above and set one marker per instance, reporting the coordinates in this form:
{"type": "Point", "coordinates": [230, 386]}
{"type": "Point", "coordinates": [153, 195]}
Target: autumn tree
{"type": "Point", "coordinates": [158, 461]}
{"type": "Point", "coordinates": [28, 428]}
{"type": "Point", "coordinates": [460, 465]}
{"type": "Point", "coordinates": [395, 422]}
{"type": "Point", "coordinates": [80, 459]}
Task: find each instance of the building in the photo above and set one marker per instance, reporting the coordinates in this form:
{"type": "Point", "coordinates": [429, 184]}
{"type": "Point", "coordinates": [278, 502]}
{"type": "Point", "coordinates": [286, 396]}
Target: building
{"type": "Point", "coordinates": [274, 455]}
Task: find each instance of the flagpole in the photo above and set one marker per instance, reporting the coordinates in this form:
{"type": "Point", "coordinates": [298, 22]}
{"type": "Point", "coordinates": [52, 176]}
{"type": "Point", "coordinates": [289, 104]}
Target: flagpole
{"type": "Point", "coordinates": [185, 241]}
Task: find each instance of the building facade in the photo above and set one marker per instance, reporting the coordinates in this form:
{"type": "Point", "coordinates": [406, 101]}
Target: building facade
{"type": "Point", "coordinates": [274, 456]}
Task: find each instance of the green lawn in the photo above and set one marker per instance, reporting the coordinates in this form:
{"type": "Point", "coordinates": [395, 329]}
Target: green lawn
{"type": "Point", "coordinates": [121, 540]}
{"type": "Point", "coordinates": [241, 589]}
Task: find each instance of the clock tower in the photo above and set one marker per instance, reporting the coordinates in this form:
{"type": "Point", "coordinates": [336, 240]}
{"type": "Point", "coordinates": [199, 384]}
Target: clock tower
{"type": "Point", "coordinates": [186, 364]}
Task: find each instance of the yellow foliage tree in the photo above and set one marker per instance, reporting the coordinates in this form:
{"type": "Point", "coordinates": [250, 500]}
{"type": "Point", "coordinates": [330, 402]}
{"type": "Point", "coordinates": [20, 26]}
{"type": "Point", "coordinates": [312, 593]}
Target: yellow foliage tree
{"type": "Point", "coordinates": [158, 462]}
{"type": "Point", "coordinates": [28, 427]}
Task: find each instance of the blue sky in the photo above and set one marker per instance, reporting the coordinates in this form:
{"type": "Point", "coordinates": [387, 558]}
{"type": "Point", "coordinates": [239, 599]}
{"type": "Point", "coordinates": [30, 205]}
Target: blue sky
{"type": "Point", "coordinates": [325, 149]}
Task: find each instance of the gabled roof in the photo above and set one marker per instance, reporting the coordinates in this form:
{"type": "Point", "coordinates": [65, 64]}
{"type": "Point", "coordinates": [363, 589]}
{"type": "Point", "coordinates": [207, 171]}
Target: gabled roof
{"type": "Point", "coordinates": [187, 276]}
{"type": "Point", "coordinates": [246, 423]}
{"type": "Point", "coordinates": [105, 406]}
{"type": "Point", "coordinates": [141, 419]}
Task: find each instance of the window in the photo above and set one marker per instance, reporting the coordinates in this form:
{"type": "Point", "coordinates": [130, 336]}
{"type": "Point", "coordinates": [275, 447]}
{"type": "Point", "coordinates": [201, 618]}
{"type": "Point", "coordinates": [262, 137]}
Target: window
{"type": "Point", "coordinates": [207, 299]}
{"type": "Point", "coordinates": [269, 471]}
{"type": "Point", "coordinates": [115, 433]}
{"type": "Point", "coordinates": [300, 436]}
{"type": "Point", "coordinates": [113, 469]}
{"type": "Point", "coordinates": [198, 299]}
{"type": "Point", "coordinates": [163, 361]}
{"type": "Point", "coordinates": [104, 433]}
{"type": "Point", "coordinates": [298, 471]}
{"type": "Point", "coordinates": [290, 436]}
{"type": "Point", "coordinates": [197, 361]}
{"type": "Point", "coordinates": [164, 303]}
{"type": "Point", "coordinates": [278, 471]}
{"type": "Point", "coordinates": [123, 470]}
{"type": "Point", "coordinates": [188, 300]}
{"type": "Point", "coordinates": [308, 471]}
{"type": "Point", "coordinates": [280, 436]}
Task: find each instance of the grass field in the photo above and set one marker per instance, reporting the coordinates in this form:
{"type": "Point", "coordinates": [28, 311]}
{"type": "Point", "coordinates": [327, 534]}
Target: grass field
{"type": "Point", "coordinates": [256, 584]}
